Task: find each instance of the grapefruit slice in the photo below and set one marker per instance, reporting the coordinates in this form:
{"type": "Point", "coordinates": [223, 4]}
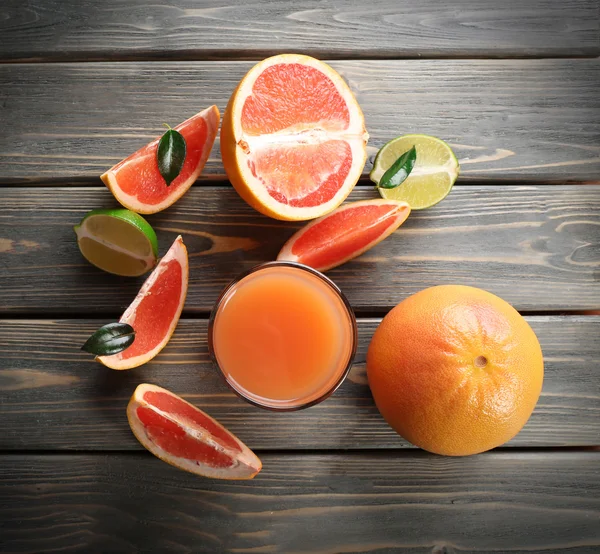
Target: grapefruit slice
{"type": "Point", "coordinates": [185, 437]}
{"type": "Point", "coordinates": [293, 139]}
{"type": "Point", "coordinates": [344, 233]}
{"type": "Point", "coordinates": [136, 181]}
{"type": "Point", "coordinates": [155, 311]}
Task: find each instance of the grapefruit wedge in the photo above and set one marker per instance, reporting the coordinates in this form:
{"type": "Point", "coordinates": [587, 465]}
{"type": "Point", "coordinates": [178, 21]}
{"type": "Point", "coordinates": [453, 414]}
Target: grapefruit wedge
{"type": "Point", "coordinates": [293, 139]}
{"type": "Point", "coordinates": [185, 437]}
{"type": "Point", "coordinates": [155, 311]}
{"type": "Point", "coordinates": [344, 233]}
{"type": "Point", "coordinates": [136, 181]}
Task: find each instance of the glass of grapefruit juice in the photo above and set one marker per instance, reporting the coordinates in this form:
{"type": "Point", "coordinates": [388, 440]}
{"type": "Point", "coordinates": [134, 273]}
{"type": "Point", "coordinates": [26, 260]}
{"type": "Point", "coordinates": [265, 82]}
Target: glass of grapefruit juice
{"type": "Point", "coordinates": [283, 335]}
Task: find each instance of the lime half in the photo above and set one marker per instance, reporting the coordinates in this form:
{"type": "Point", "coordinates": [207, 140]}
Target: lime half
{"type": "Point", "coordinates": [432, 177]}
{"type": "Point", "coordinates": [118, 241]}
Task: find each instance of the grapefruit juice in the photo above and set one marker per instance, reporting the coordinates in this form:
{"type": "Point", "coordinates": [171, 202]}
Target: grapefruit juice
{"type": "Point", "coordinates": [283, 336]}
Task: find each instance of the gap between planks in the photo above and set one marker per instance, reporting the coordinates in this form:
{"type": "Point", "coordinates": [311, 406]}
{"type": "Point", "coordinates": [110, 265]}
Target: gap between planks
{"type": "Point", "coordinates": [215, 181]}
{"type": "Point", "coordinates": [204, 315]}
{"type": "Point", "coordinates": [236, 56]}
{"type": "Point", "coordinates": [373, 452]}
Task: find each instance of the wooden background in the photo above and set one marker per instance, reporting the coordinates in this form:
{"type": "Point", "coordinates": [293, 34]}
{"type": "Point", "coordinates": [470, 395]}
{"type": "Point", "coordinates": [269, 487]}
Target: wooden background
{"type": "Point", "coordinates": [515, 88]}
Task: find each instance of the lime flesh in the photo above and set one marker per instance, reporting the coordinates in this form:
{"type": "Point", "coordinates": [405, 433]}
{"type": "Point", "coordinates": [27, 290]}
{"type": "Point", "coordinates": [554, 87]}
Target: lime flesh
{"type": "Point", "coordinates": [118, 241]}
{"type": "Point", "coordinates": [432, 177]}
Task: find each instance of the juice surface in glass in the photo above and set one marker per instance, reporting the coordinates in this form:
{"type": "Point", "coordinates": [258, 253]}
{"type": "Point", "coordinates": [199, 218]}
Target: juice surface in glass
{"type": "Point", "coordinates": [283, 335]}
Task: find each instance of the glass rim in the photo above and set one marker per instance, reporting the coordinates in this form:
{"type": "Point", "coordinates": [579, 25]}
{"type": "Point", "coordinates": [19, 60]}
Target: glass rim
{"type": "Point", "coordinates": [338, 292]}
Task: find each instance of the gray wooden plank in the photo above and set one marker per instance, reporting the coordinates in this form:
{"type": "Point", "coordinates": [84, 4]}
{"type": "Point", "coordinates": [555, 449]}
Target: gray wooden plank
{"type": "Point", "coordinates": [537, 247]}
{"type": "Point", "coordinates": [496, 502]}
{"type": "Point", "coordinates": [53, 396]}
{"type": "Point", "coordinates": [507, 119]}
{"type": "Point", "coordinates": [212, 29]}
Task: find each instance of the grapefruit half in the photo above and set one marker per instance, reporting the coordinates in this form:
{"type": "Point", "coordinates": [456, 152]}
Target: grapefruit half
{"type": "Point", "coordinates": [184, 436]}
{"type": "Point", "coordinates": [345, 233]}
{"type": "Point", "coordinates": [136, 181]}
{"type": "Point", "coordinates": [293, 139]}
{"type": "Point", "coordinates": [155, 311]}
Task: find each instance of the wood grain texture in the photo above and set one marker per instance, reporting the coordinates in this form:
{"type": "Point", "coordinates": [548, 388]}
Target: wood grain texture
{"type": "Point", "coordinates": [212, 29]}
{"type": "Point", "coordinates": [507, 119]}
{"type": "Point", "coordinates": [537, 247]}
{"type": "Point", "coordinates": [324, 504]}
{"type": "Point", "coordinates": [53, 396]}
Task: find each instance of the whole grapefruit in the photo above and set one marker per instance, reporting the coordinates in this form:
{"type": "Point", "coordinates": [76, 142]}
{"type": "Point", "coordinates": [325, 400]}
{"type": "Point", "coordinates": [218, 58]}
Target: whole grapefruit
{"type": "Point", "coordinates": [455, 370]}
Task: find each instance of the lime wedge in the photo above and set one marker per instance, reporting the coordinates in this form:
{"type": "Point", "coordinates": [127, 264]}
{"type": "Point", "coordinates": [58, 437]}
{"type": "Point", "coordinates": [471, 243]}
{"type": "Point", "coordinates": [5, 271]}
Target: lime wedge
{"type": "Point", "coordinates": [118, 241]}
{"type": "Point", "coordinates": [432, 177]}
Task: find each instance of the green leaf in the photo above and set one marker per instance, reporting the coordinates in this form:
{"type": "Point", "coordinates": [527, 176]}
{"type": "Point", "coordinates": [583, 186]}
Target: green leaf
{"type": "Point", "coordinates": [399, 170]}
{"type": "Point", "coordinates": [170, 155]}
{"type": "Point", "coordinates": [110, 339]}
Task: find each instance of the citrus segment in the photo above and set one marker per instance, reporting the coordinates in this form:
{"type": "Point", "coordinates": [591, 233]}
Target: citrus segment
{"type": "Point", "coordinates": [155, 312]}
{"type": "Point", "coordinates": [118, 241]}
{"type": "Point", "coordinates": [293, 96]}
{"type": "Point", "coordinates": [184, 436]}
{"type": "Point", "coordinates": [434, 173]}
{"type": "Point", "coordinates": [173, 438]}
{"type": "Point", "coordinates": [136, 181]}
{"type": "Point", "coordinates": [187, 413]}
{"type": "Point", "coordinates": [303, 175]}
{"type": "Point", "coordinates": [293, 139]}
{"type": "Point", "coordinates": [345, 233]}
{"type": "Point", "coordinates": [455, 370]}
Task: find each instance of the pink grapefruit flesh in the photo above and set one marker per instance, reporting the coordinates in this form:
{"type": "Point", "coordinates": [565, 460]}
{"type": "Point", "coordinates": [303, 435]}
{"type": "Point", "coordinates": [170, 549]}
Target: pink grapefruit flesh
{"type": "Point", "coordinates": [184, 436]}
{"type": "Point", "coordinates": [345, 233]}
{"type": "Point", "coordinates": [136, 181]}
{"type": "Point", "coordinates": [155, 311]}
